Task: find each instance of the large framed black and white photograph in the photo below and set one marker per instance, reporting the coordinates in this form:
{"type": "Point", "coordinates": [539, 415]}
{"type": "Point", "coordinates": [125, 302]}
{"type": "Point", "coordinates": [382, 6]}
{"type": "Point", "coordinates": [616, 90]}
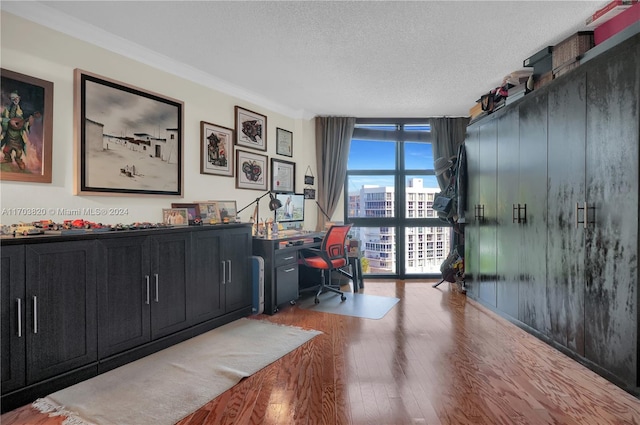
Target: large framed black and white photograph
{"type": "Point", "coordinates": [128, 140]}
{"type": "Point", "coordinates": [216, 149]}
{"type": "Point", "coordinates": [283, 176]}
{"type": "Point", "coordinates": [251, 129]}
{"type": "Point", "coordinates": [252, 170]}
{"type": "Point", "coordinates": [284, 142]}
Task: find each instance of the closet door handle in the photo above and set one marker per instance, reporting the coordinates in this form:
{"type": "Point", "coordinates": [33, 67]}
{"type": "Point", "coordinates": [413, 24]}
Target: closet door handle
{"type": "Point", "coordinates": [229, 262]}
{"type": "Point", "coordinates": [19, 302]}
{"type": "Point", "coordinates": [146, 277]}
{"type": "Point", "coordinates": [522, 219]}
{"type": "Point", "coordinates": [224, 272]}
{"type": "Point", "coordinates": [584, 214]}
{"type": "Point", "coordinates": [157, 287]}
{"type": "Point", "coordinates": [514, 218]}
{"type": "Point", "coordinates": [35, 315]}
{"type": "Point", "coordinates": [585, 218]}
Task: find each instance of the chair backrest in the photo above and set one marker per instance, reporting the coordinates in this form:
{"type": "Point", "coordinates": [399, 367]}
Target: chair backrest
{"type": "Point", "coordinates": [335, 239]}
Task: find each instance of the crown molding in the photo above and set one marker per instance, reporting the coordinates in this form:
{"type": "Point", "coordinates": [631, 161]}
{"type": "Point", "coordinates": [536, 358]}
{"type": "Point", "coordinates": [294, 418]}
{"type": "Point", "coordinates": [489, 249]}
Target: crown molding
{"type": "Point", "coordinates": [46, 16]}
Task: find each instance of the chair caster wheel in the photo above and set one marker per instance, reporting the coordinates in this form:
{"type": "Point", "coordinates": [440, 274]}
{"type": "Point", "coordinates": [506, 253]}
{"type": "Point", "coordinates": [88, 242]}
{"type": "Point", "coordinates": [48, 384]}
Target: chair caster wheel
{"type": "Point", "coordinates": [292, 302]}
{"type": "Point", "coordinates": [317, 301]}
{"type": "Point", "coordinates": [343, 297]}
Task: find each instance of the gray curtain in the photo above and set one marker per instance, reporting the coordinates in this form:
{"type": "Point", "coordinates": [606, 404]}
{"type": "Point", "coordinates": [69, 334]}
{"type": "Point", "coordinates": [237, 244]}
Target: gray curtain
{"type": "Point", "coordinates": [447, 134]}
{"type": "Point", "coordinates": [333, 138]}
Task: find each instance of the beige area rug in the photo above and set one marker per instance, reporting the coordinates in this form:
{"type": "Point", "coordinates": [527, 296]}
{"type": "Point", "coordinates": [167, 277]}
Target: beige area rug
{"type": "Point", "coordinates": [356, 305]}
{"type": "Point", "coordinates": [168, 385]}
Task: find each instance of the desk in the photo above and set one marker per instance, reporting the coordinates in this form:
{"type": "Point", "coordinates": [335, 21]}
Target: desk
{"type": "Point", "coordinates": [281, 270]}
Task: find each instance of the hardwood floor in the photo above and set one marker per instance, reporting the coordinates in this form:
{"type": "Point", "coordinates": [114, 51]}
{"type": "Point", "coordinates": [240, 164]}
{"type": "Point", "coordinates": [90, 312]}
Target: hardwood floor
{"type": "Point", "coordinates": [435, 358]}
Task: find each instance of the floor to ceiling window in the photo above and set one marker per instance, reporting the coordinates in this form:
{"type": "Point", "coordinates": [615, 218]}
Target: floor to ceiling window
{"type": "Point", "coordinates": [389, 192]}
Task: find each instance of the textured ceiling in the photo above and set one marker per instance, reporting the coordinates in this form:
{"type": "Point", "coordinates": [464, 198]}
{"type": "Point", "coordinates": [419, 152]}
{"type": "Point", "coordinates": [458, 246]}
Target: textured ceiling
{"type": "Point", "coordinates": [307, 58]}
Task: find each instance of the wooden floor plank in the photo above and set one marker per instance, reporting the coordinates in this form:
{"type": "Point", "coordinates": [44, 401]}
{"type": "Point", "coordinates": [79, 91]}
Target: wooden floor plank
{"type": "Point", "coordinates": [436, 358]}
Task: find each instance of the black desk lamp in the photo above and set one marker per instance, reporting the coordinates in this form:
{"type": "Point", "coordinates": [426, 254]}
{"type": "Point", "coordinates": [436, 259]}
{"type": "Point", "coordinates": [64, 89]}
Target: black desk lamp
{"type": "Point", "coordinates": [274, 204]}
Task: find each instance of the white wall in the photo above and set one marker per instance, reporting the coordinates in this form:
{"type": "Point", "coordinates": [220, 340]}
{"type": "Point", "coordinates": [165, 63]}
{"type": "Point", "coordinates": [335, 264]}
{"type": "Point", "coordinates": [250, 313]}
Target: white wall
{"type": "Point", "coordinates": [40, 52]}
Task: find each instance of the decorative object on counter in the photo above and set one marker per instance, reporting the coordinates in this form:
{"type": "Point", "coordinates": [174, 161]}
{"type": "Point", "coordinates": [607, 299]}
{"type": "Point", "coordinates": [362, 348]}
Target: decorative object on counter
{"type": "Point", "coordinates": [193, 211]}
{"type": "Point", "coordinates": [283, 176]}
{"type": "Point", "coordinates": [208, 212]}
{"type": "Point", "coordinates": [227, 211]}
{"type": "Point", "coordinates": [284, 142]}
{"type": "Point", "coordinates": [216, 149]}
{"type": "Point", "coordinates": [251, 129]}
{"type": "Point", "coordinates": [251, 170]}
{"type": "Point", "coordinates": [27, 126]}
{"type": "Point", "coordinates": [120, 155]}
{"type": "Point", "coordinates": [175, 216]}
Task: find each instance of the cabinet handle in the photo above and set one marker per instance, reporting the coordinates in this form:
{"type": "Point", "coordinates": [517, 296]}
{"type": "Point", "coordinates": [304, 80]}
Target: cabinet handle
{"type": "Point", "coordinates": [157, 295]}
{"type": "Point", "coordinates": [229, 262]}
{"type": "Point", "coordinates": [514, 218]}
{"type": "Point", "coordinates": [584, 209]}
{"type": "Point", "coordinates": [19, 302]}
{"type": "Point", "coordinates": [35, 314]}
{"type": "Point", "coordinates": [146, 278]}
{"type": "Point", "coordinates": [224, 273]}
{"type": "Point", "coordinates": [289, 270]}
{"type": "Point", "coordinates": [289, 258]}
{"type": "Point", "coordinates": [522, 219]}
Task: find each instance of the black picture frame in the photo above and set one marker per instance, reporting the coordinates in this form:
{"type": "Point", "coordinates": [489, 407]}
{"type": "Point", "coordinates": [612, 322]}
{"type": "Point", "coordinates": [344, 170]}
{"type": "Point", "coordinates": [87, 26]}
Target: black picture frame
{"type": "Point", "coordinates": [125, 131]}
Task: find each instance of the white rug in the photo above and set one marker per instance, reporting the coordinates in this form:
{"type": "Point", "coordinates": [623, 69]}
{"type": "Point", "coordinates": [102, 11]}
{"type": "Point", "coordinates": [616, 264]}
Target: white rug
{"type": "Point", "coordinates": [168, 385]}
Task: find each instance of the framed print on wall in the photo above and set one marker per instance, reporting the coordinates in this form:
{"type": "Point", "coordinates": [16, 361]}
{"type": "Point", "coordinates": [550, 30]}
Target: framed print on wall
{"type": "Point", "coordinates": [284, 142]}
{"type": "Point", "coordinates": [216, 149]}
{"type": "Point", "coordinates": [128, 141]}
{"type": "Point", "coordinates": [251, 170]}
{"type": "Point", "coordinates": [27, 126]}
{"type": "Point", "coordinates": [251, 129]}
{"type": "Point", "coordinates": [283, 176]}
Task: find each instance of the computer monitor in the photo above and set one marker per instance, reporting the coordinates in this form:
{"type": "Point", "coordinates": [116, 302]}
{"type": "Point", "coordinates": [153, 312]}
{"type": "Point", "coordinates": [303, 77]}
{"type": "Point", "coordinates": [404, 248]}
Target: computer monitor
{"type": "Point", "coordinates": [292, 209]}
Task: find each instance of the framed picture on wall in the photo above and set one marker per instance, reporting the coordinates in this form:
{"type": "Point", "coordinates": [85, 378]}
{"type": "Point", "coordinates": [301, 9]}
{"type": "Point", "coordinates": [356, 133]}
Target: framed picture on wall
{"type": "Point", "coordinates": [216, 149]}
{"type": "Point", "coordinates": [251, 129]}
{"type": "Point", "coordinates": [128, 140]}
{"type": "Point", "coordinates": [284, 142]}
{"type": "Point", "coordinates": [27, 126]}
{"type": "Point", "coordinates": [252, 170]}
{"type": "Point", "coordinates": [283, 176]}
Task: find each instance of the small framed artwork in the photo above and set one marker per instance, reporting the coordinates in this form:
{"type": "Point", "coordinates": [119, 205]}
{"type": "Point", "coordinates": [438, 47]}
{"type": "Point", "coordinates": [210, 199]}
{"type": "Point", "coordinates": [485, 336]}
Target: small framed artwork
{"type": "Point", "coordinates": [128, 141]}
{"type": "Point", "coordinates": [216, 149]}
{"type": "Point", "coordinates": [251, 170]}
{"type": "Point", "coordinates": [175, 216]}
{"type": "Point", "coordinates": [284, 142]}
{"type": "Point", "coordinates": [227, 211]}
{"type": "Point", "coordinates": [283, 176]}
{"type": "Point", "coordinates": [309, 193]}
{"type": "Point", "coordinates": [193, 211]}
{"type": "Point", "coordinates": [27, 125]}
{"type": "Point", "coordinates": [208, 212]}
{"type": "Point", "coordinates": [251, 129]}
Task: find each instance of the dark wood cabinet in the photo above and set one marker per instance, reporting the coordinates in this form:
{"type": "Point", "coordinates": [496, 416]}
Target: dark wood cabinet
{"type": "Point", "coordinates": [12, 318]}
{"type": "Point", "coordinates": [60, 325]}
{"type": "Point", "coordinates": [566, 217]}
{"type": "Point", "coordinates": [78, 305]}
{"type": "Point", "coordinates": [142, 289]}
{"type": "Point", "coordinates": [222, 273]}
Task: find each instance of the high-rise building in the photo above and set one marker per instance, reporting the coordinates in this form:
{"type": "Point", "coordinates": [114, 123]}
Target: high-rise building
{"type": "Point", "coordinates": [425, 247]}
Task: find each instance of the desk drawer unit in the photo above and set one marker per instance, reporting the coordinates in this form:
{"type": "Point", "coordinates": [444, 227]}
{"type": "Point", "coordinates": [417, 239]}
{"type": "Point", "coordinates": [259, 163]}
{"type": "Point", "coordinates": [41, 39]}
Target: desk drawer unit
{"type": "Point", "coordinates": [286, 264]}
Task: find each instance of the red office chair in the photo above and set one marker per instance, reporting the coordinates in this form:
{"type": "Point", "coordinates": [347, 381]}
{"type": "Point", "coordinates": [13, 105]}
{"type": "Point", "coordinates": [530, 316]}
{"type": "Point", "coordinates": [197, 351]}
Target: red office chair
{"type": "Point", "coordinates": [331, 256]}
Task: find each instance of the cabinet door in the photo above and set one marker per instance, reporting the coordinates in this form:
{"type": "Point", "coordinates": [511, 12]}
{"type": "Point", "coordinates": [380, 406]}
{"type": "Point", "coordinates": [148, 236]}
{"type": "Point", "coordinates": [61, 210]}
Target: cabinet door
{"type": "Point", "coordinates": [472, 226]}
{"type": "Point", "coordinates": [533, 195]}
{"type": "Point", "coordinates": [487, 190]}
{"type": "Point", "coordinates": [566, 188]}
{"type": "Point", "coordinates": [170, 273]}
{"type": "Point", "coordinates": [205, 289]}
{"type": "Point", "coordinates": [611, 296]}
{"type": "Point", "coordinates": [12, 319]}
{"type": "Point", "coordinates": [237, 256]}
{"type": "Point", "coordinates": [61, 308]}
{"type": "Point", "coordinates": [508, 231]}
{"type": "Point", "coordinates": [124, 294]}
